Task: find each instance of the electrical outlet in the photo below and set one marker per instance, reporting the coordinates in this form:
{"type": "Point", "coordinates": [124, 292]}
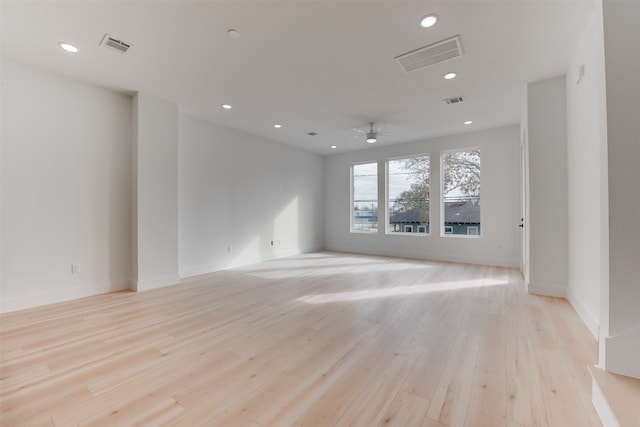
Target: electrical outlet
{"type": "Point", "coordinates": [75, 269]}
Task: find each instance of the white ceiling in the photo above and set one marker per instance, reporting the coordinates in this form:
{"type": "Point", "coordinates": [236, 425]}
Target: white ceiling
{"type": "Point", "coordinates": [323, 66]}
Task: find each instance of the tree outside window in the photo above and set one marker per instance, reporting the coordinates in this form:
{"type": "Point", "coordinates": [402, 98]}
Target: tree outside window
{"type": "Point", "coordinates": [408, 195]}
{"type": "Point", "coordinates": [461, 192]}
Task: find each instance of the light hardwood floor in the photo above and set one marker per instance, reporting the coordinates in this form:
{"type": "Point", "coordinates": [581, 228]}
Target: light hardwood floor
{"type": "Point", "coordinates": [321, 339]}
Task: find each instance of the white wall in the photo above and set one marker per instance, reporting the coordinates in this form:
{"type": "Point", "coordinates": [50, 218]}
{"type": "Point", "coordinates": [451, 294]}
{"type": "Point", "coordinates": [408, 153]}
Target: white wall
{"type": "Point", "coordinates": [500, 241]}
{"type": "Point", "coordinates": [620, 313]}
{"type": "Point", "coordinates": [547, 147]}
{"type": "Point", "coordinates": [156, 188]}
{"type": "Point", "coordinates": [525, 192]}
{"type": "Point", "coordinates": [238, 193]}
{"type": "Point", "coordinates": [66, 188]}
{"type": "Point", "coordinates": [587, 175]}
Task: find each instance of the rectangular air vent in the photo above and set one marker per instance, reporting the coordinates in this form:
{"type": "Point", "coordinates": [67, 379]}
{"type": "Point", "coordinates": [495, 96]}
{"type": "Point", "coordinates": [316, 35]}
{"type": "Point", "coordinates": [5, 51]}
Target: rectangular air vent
{"type": "Point", "coordinates": [453, 100]}
{"type": "Point", "coordinates": [115, 44]}
{"type": "Point", "coordinates": [435, 53]}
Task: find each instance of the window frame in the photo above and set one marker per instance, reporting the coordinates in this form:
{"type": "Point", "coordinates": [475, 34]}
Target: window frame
{"type": "Point", "coordinates": [387, 217]}
{"type": "Point", "coordinates": [352, 194]}
{"type": "Point", "coordinates": [442, 226]}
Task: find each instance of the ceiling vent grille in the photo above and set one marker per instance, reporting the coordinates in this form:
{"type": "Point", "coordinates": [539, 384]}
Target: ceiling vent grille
{"type": "Point", "coordinates": [115, 44]}
{"type": "Point", "coordinates": [435, 53]}
{"type": "Point", "coordinates": [454, 100]}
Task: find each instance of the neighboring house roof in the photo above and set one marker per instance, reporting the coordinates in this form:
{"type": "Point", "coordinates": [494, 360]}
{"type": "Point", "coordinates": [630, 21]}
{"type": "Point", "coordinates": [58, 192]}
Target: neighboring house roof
{"type": "Point", "coordinates": [462, 213]}
{"type": "Point", "coordinates": [455, 213]}
{"type": "Point", "coordinates": [407, 217]}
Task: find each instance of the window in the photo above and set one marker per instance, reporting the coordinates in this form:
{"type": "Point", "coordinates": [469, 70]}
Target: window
{"type": "Point", "coordinates": [408, 195]}
{"type": "Point", "coordinates": [364, 198]}
{"type": "Point", "coordinates": [461, 192]}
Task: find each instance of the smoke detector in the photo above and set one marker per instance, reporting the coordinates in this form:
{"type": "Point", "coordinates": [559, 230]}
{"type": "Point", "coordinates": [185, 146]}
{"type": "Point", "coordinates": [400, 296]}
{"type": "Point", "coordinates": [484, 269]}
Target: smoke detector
{"type": "Point", "coordinates": [115, 44]}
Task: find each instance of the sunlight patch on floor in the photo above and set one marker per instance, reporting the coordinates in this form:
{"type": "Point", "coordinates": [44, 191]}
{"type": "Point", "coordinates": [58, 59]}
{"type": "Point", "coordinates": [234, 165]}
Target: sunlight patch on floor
{"type": "Point", "coordinates": [398, 291]}
{"type": "Point", "coordinates": [292, 269]}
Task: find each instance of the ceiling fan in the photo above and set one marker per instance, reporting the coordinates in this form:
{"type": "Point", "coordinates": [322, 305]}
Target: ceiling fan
{"type": "Point", "coordinates": [371, 132]}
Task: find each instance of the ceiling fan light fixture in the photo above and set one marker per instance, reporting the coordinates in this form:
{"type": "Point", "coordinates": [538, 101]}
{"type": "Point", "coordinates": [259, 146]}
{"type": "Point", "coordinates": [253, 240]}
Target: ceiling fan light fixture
{"type": "Point", "coordinates": [371, 137]}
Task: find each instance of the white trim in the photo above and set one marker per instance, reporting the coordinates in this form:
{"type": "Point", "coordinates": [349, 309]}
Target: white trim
{"type": "Point", "coordinates": [588, 318]}
{"type": "Point", "coordinates": [497, 262]}
{"type": "Point", "coordinates": [203, 269]}
{"type": "Point", "coordinates": [61, 295]}
{"type": "Point", "coordinates": [156, 282]}
{"type": "Point", "coordinates": [622, 352]}
{"type": "Point", "coordinates": [602, 407]}
{"type": "Point", "coordinates": [547, 290]}
{"type": "Point", "coordinates": [462, 236]}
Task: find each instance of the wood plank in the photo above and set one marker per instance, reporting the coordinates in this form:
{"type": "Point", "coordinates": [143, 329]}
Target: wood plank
{"type": "Point", "coordinates": [451, 397]}
{"type": "Point", "coordinates": [622, 395]}
{"type": "Point", "coordinates": [407, 409]}
{"type": "Point", "coordinates": [316, 339]}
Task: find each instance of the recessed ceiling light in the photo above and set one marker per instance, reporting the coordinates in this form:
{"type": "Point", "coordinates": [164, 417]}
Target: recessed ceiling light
{"type": "Point", "coordinates": [68, 47]}
{"type": "Point", "coordinates": [468, 122]}
{"type": "Point", "coordinates": [226, 106]}
{"type": "Point", "coordinates": [334, 146]}
{"type": "Point", "coordinates": [277, 126]}
{"type": "Point", "coordinates": [428, 21]}
{"type": "Point", "coordinates": [450, 76]}
{"type": "Point", "coordinates": [234, 34]}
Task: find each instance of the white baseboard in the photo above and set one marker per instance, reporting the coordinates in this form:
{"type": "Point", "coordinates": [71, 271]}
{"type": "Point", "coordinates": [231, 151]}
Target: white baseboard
{"type": "Point", "coordinates": [585, 314]}
{"type": "Point", "coordinates": [602, 406]}
{"type": "Point", "coordinates": [547, 290]}
{"type": "Point", "coordinates": [622, 352]}
{"type": "Point", "coordinates": [60, 295]}
{"type": "Point", "coordinates": [431, 257]}
{"type": "Point", "coordinates": [156, 282]}
{"type": "Point", "coordinates": [198, 270]}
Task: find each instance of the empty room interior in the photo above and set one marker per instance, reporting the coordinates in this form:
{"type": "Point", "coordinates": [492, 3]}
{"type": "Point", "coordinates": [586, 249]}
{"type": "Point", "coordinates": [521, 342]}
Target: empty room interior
{"type": "Point", "coordinates": [320, 213]}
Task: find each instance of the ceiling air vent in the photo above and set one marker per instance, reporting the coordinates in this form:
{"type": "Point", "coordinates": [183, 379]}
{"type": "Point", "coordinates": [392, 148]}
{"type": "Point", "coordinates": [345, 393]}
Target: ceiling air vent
{"type": "Point", "coordinates": [115, 44]}
{"type": "Point", "coordinates": [435, 53]}
{"type": "Point", "coordinates": [454, 100]}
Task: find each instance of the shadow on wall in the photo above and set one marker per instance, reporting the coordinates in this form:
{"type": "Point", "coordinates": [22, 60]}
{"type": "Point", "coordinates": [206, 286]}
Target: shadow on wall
{"type": "Point", "coordinates": [276, 238]}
